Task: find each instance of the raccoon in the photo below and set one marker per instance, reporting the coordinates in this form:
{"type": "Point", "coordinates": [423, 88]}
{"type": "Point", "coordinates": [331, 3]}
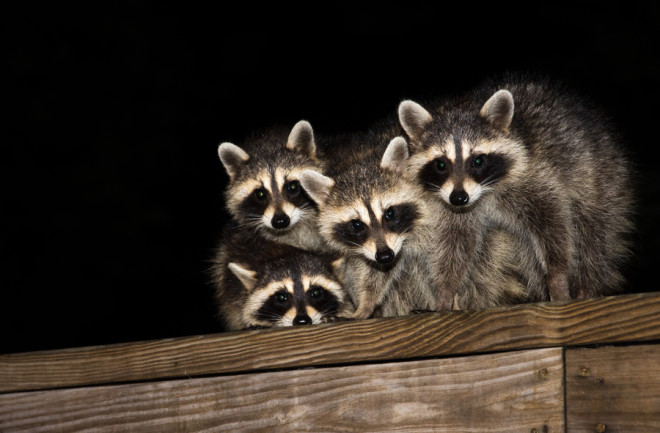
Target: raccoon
{"type": "Point", "coordinates": [376, 221]}
{"type": "Point", "coordinates": [530, 158]}
{"type": "Point", "coordinates": [264, 192]}
{"type": "Point", "coordinates": [260, 283]}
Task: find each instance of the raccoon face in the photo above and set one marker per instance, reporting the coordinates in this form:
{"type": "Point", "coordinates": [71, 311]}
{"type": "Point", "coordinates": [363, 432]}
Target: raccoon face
{"type": "Point", "coordinates": [271, 200]}
{"type": "Point", "coordinates": [462, 166]}
{"type": "Point", "coordinates": [461, 172]}
{"type": "Point", "coordinates": [264, 191]}
{"type": "Point", "coordinates": [368, 213]}
{"type": "Point", "coordinates": [374, 229]}
{"type": "Point", "coordinates": [293, 301]}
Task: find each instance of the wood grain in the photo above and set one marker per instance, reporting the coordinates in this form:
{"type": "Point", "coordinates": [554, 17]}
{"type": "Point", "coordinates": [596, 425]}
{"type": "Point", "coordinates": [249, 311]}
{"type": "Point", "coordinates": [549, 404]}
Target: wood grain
{"type": "Point", "coordinates": [607, 320]}
{"type": "Point", "coordinates": [617, 388]}
{"type": "Point", "coordinates": [507, 392]}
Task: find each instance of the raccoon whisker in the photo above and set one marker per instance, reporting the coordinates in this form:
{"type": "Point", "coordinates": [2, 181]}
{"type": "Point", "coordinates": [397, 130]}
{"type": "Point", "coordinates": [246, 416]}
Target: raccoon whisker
{"type": "Point", "coordinates": [352, 243]}
{"type": "Point", "coordinates": [406, 230]}
{"type": "Point", "coordinates": [435, 187]}
{"type": "Point", "coordinates": [270, 317]}
{"type": "Point", "coordinates": [249, 224]}
{"type": "Point", "coordinates": [306, 208]}
{"type": "Point", "coordinates": [492, 178]}
{"type": "Point", "coordinates": [251, 220]}
{"type": "Point", "coordinates": [252, 217]}
{"type": "Point", "coordinates": [251, 229]}
{"type": "Point", "coordinates": [253, 234]}
{"type": "Point", "coordinates": [328, 311]}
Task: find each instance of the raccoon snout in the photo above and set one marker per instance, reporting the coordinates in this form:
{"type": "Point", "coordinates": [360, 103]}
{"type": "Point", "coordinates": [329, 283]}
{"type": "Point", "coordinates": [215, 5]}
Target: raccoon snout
{"type": "Point", "coordinates": [385, 256]}
{"type": "Point", "coordinates": [302, 319]}
{"type": "Point", "coordinates": [280, 221]}
{"type": "Point", "coordinates": [458, 197]}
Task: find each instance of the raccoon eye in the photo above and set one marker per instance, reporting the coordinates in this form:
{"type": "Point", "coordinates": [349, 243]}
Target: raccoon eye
{"type": "Point", "coordinates": [357, 225]}
{"type": "Point", "coordinates": [260, 194]}
{"type": "Point", "coordinates": [293, 187]}
{"type": "Point", "coordinates": [316, 291]}
{"type": "Point", "coordinates": [389, 214]}
{"type": "Point", "coordinates": [478, 161]}
{"type": "Point", "coordinates": [440, 164]}
{"type": "Point", "coordinates": [281, 297]}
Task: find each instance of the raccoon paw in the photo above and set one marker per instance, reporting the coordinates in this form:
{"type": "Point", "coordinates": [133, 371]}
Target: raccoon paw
{"type": "Point", "coordinates": [343, 317]}
{"type": "Point", "coordinates": [422, 311]}
{"type": "Point", "coordinates": [334, 319]}
{"type": "Point", "coordinates": [254, 327]}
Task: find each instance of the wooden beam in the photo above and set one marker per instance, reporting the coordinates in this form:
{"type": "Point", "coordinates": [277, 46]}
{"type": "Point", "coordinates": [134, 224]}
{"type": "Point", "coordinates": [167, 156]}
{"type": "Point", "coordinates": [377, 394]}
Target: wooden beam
{"type": "Point", "coordinates": [607, 320]}
{"type": "Point", "coordinates": [613, 389]}
{"type": "Point", "coordinates": [504, 392]}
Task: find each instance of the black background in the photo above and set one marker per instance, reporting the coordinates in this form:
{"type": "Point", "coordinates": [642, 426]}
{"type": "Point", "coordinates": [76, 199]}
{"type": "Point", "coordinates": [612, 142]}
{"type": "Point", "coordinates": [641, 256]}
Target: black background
{"type": "Point", "coordinates": [111, 184]}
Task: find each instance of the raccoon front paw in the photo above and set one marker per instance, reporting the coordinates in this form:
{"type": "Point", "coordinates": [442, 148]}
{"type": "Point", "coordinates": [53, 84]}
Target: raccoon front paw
{"type": "Point", "coordinates": [422, 311]}
{"type": "Point", "coordinates": [254, 327]}
{"type": "Point", "coordinates": [344, 317]}
{"type": "Point", "coordinates": [334, 319]}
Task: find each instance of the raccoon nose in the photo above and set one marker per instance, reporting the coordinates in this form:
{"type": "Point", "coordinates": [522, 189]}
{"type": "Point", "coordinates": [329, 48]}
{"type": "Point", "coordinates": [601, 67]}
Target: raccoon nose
{"type": "Point", "coordinates": [385, 256]}
{"type": "Point", "coordinates": [459, 197]}
{"type": "Point", "coordinates": [302, 319]}
{"type": "Point", "coordinates": [280, 221]}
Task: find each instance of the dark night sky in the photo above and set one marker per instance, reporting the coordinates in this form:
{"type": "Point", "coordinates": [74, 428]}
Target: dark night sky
{"type": "Point", "coordinates": [112, 189]}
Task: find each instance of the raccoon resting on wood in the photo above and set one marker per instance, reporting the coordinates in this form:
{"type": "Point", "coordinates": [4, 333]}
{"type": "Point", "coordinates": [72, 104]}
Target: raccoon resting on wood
{"type": "Point", "coordinates": [260, 283]}
{"type": "Point", "coordinates": [533, 160]}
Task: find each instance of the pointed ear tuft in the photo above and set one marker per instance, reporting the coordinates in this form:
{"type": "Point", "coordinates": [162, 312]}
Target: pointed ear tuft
{"type": "Point", "coordinates": [316, 185]}
{"type": "Point", "coordinates": [498, 110]}
{"type": "Point", "coordinates": [301, 139]}
{"type": "Point", "coordinates": [232, 157]}
{"type": "Point", "coordinates": [413, 118]}
{"type": "Point", "coordinates": [247, 277]}
{"type": "Point", "coordinates": [395, 156]}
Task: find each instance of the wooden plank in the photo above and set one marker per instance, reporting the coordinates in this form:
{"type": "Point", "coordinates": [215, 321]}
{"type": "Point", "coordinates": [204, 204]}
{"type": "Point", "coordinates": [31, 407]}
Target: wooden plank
{"type": "Point", "coordinates": [507, 392]}
{"type": "Point", "coordinates": [613, 389]}
{"type": "Point", "coordinates": [606, 320]}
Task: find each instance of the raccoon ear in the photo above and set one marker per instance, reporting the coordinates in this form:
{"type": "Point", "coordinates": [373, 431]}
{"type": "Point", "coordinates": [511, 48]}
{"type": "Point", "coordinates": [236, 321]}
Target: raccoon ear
{"type": "Point", "coordinates": [232, 157]}
{"type": "Point", "coordinates": [395, 156]}
{"type": "Point", "coordinates": [316, 185]}
{"type": "Point", "coordinates": [498, 110]}
{"type": "Point", "coordinates": [301, 138]}
{"type": "Point", "coordinates": [338, 268]}
{"type": "Point", "coordinates": [413, 118]}
{"type": "Point", "coordinates": [247, 277]}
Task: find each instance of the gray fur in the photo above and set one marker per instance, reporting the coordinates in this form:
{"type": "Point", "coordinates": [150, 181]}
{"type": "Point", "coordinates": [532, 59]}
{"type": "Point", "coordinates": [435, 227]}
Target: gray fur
{"type": "Point", "coordinates": [563, 209]}
{"type": "Point", "coordinates": [494, 276]}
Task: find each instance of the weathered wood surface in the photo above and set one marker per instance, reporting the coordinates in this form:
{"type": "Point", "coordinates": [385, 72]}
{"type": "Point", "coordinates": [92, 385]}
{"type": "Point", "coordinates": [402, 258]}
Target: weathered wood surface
{"type": "Point", "coordinates": [504, 392]}
{"type": "Point", "coordinates": [613, 389]}
{"type": "Point", "coordinates": [607, 320]}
